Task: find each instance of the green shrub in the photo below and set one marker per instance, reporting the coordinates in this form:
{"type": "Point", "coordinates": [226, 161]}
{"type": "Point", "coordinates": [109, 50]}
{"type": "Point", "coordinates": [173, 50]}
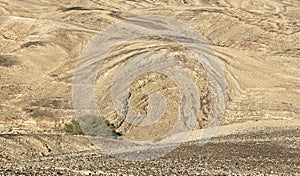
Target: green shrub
{"type": "Point", "coordinates": [96, 126]}
{"type": "Point", "coordinates": [91, 126]}
{"type": "Point", "coordinates": [73, 128]}
{"type": "Point", "coordinates": [157, 139]}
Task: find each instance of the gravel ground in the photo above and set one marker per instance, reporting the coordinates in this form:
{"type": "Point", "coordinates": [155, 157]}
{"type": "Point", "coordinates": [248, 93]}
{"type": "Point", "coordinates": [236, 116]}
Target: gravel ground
{"type": "Point", "coordinates": [267, 151]}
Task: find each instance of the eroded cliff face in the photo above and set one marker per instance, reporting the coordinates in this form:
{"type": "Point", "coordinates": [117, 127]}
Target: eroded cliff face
{"type": "Point", "coordinates": [257, 43]}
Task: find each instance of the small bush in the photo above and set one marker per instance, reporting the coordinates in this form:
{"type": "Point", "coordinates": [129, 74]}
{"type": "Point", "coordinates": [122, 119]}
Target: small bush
{"type": "Point", "coordinates": [158, 139]}
{"type": "Point", "coordinates": [91, 126]}
{"type": "Point", "coordinates": [73, 128]}
{"type": "Point", "coordinates": [96, 126]}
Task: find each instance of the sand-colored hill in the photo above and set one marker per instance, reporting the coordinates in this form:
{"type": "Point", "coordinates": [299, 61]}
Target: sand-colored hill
{"type": "Point", "coordinates": [257, 42]}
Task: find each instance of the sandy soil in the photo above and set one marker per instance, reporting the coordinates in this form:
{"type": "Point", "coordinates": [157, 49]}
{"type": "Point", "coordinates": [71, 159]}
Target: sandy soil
{"type": "Point", "coordinates": [247, 148]}
{"type": "Point", "coordinates": [267, 151]}
{"type": "Point", "coordinates": [257, 43]}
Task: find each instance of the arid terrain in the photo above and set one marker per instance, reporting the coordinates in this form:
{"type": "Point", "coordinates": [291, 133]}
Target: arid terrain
{"type": "Point", "coordinates": [264, 151]}
{"type": "Point", "coordinates": [258, 46]}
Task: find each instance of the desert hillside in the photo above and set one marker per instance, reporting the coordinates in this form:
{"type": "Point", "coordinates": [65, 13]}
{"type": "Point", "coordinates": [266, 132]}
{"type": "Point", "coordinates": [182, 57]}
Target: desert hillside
{"type": "Point", "coordinates": [256, 42]}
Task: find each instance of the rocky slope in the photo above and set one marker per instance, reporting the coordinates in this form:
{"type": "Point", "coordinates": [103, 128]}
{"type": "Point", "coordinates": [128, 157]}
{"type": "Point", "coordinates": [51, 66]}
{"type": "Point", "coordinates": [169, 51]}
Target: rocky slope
{"type": "Point", "coordinates": [264, 151]}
